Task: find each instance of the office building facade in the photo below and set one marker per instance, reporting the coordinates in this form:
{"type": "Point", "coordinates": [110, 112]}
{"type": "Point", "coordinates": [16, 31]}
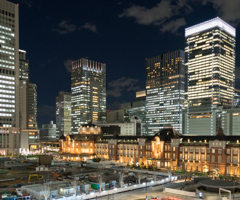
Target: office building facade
{"type": "Point", "coordinates": [120, 115]}
{"type": "Point", "coordinates": [165, 82]}
{"type": "Point", "coordinates": [166, 149]}
{"type": "Point", "coordinates": [23, 65]}
{"type": "Point", "coordinates": [137, 109]}
{"type": "Point", "coordinates": [132, 127]}
{"type": "Point", "coordinates": [88, 90]}
{"type": "Point", "coordinates": [48, 132]}
{"type": "Point", "coordinates": [210, 70]}
{"type": "Point", "coordinates": [9, 78]}
{"type": "Point", "coordinates": [237, 97]}
{"type": "Point", "coordinates": [29, 137]}
{"type": "Point", "coordinates": [63, 113]}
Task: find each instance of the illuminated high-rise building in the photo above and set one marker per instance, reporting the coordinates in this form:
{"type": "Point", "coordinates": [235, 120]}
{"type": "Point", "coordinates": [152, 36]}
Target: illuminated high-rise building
{"type": "Point", "coordinates": [63, 114]}
{"type": "Point", "coordinates": [29, 137]}
{"type": "Point", "coordinates": [23, 65]}
{"type": "Point", "coordinates": [210, 72]}
{"type": "Point", "coordinates": [88, 92]}
{"type": "Point", "coordinates": [165, 82]}
{"type": "Point", "coordinates": [9, 78]}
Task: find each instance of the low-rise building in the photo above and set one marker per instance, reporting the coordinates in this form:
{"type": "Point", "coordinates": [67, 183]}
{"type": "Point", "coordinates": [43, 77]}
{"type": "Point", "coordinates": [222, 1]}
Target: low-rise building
{"type": "Point", "coordinates": [166, 149]}
{"type": "Point", "coordinates": [131, 127]}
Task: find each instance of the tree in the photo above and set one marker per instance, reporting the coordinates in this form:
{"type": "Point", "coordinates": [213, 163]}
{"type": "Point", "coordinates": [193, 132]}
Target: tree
{"type": "Point", "coordinates": [133, 166]}
{"type": "Point", "coordinates": [154, 177]}
{"type": "Point", "coordinates": [139, 177]}
{"type": "Point", "coordinates": [169, 173]}
{"type": "Point", "coordinates": [121, 177]}
{"type": "Point", "coordinates": [47, 176]}
{"type": "Point", "coordinates": [46, 190]}
{"type": "Point", "coordinates": [100, 180]}
{"type": "Point", "coordinates": [75, 185]}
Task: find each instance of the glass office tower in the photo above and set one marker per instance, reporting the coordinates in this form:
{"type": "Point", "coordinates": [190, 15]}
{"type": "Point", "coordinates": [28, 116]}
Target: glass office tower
{"type": "Point", "coordinates": [88, 88]}
{"type": "Point", "coordinates": [210, 69]}
{"type": "Point", "coordinates": [63, 114]}
{"type": "Point", "coordinates": [165, 82]}
{"type": "Point", "coordinates": [9, 78]}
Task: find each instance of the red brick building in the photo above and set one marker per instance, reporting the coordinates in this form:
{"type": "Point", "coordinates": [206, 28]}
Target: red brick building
{"type": "Point", "coordinates": [166, 149]}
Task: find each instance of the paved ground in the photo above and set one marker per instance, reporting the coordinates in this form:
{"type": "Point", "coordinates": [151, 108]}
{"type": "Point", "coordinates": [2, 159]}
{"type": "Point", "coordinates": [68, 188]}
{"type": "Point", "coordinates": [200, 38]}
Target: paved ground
{"type": "Point", "coordinates": [141, 194]}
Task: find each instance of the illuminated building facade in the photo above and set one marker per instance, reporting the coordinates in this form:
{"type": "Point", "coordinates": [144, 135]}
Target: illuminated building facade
{"type": "Point", "coordinates": [88, 89]}
{"type": "Point", "coordinates": [23, 65]}
{"type": "Point", "coordinates": [210, 69]}
{"type": "Point", "coordinates": [237, 97]}
{"type": "Point", "coordinates": [137, 109]}
{"type": "Point", "coordinates": [230, 118]}
{"type": "Point", "coordinates": [165, 85]}
{"type": "Point", "coordinates": [9, 78]}
{"type": "Point", "coordinates": [200, 116]}
{"type": "Point", "coordinates": [131, 127]}
{"type": "Point", "coordinates": [63, 113]}
{"type": "Point", "coordinates": [29, 138]}
{"type": "Point", "coordinates": [166, 149]}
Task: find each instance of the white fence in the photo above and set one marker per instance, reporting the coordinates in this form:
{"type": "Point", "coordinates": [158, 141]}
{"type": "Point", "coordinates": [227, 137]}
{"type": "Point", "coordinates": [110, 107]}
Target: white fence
{"type": "Point", "coordinates": [129, 188]}
{"type": "Point", "coordinates": [180, 192]}
{"type": "Point", "coordinates": [148, 172]}
{"type": "Point", "coordinates": [35, 190]}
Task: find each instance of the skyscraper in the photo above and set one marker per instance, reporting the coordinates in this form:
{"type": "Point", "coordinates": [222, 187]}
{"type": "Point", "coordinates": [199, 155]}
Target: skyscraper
{"type": "Point", "coordinates": [88, 88]}
{"type": "Point", "coordinates": [29, 137]}
{"type": "Point", "coordinates": [165, 82]}
{"type": "Point", "coordinates": [63, 114]}
{"type": "Point", "coordinates": [23, 65]}
{"type": "Point", "coordinates": [9, 78]}
{"type": "Point", "coordinates": [210, 63]}
{"type": "Point", "coordinates": [210, 72]}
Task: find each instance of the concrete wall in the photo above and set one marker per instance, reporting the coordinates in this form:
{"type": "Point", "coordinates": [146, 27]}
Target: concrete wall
{"type": "Point", "coordinates": [45, 160]}
{"type": "Point", "coordinates": [180, 192]}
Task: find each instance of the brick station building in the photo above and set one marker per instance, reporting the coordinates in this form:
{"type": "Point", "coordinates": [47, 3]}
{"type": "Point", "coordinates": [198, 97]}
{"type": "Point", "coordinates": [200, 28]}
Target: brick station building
{"type": "Point", "coordinates": [166, 149]}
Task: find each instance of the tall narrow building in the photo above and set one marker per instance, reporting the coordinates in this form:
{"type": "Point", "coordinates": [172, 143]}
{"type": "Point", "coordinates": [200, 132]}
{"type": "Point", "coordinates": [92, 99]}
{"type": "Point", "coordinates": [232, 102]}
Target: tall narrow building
{"type": "Point", "coordinates": [88, 90]}
{"type": "Point", "coordinates": [23, 65]}
{"type": "Point", "coordinates": [210, 73]}
{"type": "Point", "coordinates": [29, 137]}
{"type": "Point", "coordinates": [63, 114]}
{"type": "Point", "coordinates": [165, 82]}
{"type": "Point", "coordinates": [9, 78]}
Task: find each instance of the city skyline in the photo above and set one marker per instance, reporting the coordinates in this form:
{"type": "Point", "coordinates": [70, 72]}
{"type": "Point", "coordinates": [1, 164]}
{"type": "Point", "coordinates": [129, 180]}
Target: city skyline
{"type": "Point", "coordinates": [125, 38]}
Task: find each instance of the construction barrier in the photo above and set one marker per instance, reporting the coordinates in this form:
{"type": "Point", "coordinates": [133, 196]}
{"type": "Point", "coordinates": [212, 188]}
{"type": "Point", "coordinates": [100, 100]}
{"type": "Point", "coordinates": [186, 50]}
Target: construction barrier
{"type": "Point", "coordinates": [180, 192]}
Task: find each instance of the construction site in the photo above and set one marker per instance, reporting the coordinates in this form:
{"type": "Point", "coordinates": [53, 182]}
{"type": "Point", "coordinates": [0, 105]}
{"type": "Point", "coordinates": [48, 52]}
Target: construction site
{"type": "Point", "coordinates": [24, 178]}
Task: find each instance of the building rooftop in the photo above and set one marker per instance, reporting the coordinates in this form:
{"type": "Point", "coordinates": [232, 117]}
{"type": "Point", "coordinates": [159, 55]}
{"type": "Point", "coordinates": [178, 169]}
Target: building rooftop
{"type": "Point", "coordinates": [215, 22]}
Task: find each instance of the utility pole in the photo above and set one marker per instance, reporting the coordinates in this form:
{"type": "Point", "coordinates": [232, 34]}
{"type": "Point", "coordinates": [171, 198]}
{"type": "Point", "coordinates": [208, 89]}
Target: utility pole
{"type": "Point", "coordinates": [233, 188]}
{"type": "Point", "coordinates": [146, 190]}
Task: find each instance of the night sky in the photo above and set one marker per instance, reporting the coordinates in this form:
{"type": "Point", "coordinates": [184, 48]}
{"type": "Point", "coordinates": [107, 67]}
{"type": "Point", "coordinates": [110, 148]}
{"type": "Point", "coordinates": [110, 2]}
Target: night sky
{"type": "Point", "coordinates": [119, 33]}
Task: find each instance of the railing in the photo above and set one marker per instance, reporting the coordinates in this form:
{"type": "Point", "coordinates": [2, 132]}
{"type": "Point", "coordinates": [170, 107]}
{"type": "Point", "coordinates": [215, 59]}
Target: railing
{"type": "Point", "coordinates": [180, 192]}
{"type": "Point", "coordinates": [119, 190]}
